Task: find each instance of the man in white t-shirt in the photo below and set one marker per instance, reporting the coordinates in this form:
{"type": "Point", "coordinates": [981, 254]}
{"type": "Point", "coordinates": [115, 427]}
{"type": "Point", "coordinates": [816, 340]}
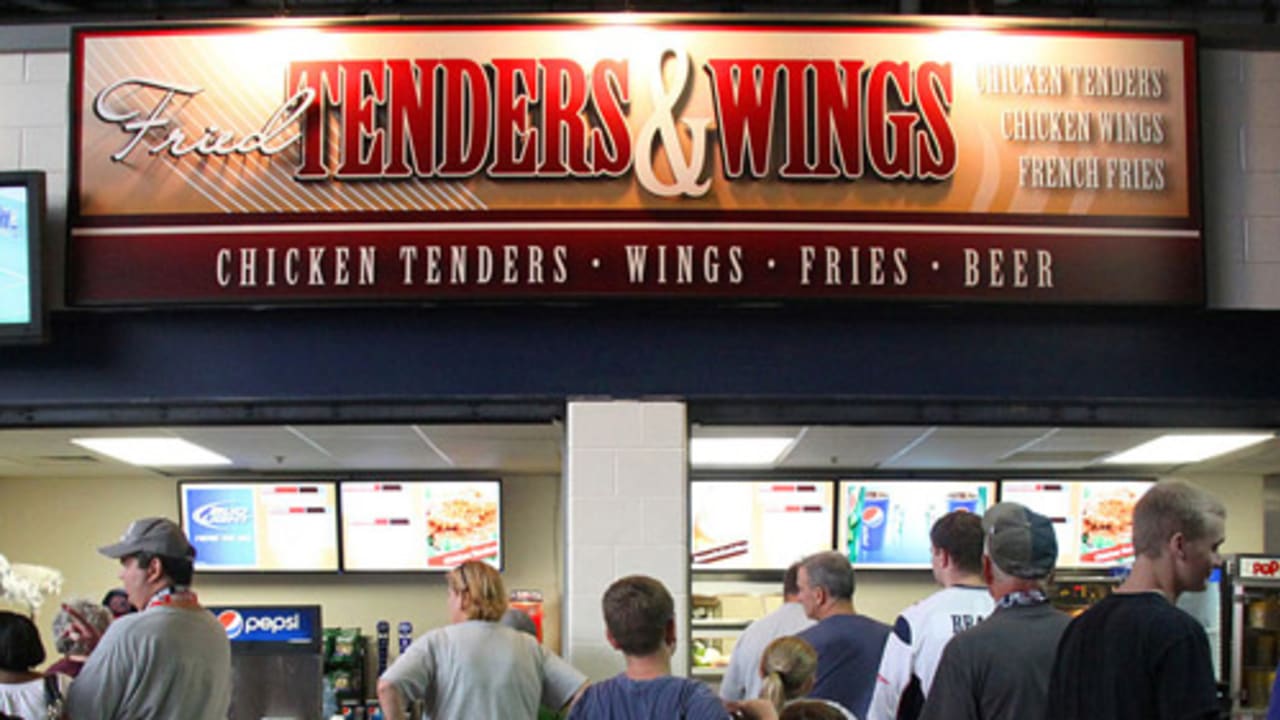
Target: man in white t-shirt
{"type": "Point", "coordinates": [742, 678]}
{"type": "Point", "coordinates": [921, 632]}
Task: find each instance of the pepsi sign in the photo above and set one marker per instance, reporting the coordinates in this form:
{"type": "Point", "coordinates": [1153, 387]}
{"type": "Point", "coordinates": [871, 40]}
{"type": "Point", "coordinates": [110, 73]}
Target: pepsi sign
{"type": "Point", "coordinates": [275, 624]}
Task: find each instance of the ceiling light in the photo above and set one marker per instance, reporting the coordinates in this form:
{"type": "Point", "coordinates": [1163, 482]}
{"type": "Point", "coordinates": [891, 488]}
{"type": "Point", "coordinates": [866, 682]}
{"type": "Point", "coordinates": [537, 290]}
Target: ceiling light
{"type": "Point", "coordinates": [153, 451]}
{"type": "Point", "coordinates": [738, 451]}
{"type": "Point", "coordinates": [1174, 449]}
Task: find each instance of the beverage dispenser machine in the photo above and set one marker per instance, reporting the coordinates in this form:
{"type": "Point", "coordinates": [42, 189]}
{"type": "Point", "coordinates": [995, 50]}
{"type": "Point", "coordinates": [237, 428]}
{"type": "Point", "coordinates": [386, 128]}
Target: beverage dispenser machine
{"type": "Point", "coordinates": [277, 660]}
{"type": "Point", "coordinates": [1255, 629]}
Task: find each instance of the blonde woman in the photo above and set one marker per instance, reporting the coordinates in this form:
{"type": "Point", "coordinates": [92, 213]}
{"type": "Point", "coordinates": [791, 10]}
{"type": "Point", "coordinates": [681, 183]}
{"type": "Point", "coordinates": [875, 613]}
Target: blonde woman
{"type": "Point", "coordinates": [789, 668]}
{"type": "Point", "coordinates": [475, 667]}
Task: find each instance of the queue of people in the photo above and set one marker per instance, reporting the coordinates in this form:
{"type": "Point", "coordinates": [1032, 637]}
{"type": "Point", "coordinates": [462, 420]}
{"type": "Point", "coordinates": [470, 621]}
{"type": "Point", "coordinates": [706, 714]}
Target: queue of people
{"type": "Point", "coordinates": [988, 645]}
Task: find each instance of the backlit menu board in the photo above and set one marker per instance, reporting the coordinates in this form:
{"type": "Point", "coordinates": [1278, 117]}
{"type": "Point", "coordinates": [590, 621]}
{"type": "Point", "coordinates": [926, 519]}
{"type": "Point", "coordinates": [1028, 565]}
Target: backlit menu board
{"type": "Point", "coordinates": [261, 526]}
{"type": "Point", "coordinates": [423, 526]}
{"type": "Point", "coordinates": [886, 523]}
{"type": "Point", "coordinates": [1093, 519]}
{"type": "Point", "coordinates": [758, 525]}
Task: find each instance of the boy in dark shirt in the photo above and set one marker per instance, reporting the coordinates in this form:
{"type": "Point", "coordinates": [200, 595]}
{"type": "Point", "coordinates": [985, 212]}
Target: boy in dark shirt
{"type": "Point", "coordinates": [639, 617]}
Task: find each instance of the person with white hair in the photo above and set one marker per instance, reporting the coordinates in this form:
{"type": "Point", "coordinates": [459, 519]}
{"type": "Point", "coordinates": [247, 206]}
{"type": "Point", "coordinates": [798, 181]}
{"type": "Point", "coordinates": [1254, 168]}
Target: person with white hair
{"type": "Point", "coordinates": [68, 638]}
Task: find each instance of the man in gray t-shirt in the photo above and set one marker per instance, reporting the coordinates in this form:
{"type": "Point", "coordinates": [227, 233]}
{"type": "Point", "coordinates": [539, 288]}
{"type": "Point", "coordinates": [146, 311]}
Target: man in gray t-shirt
{"type": "Point", "coordinates": [173, 659]}
{"type": "Point", "coordinates": [481, 669]}
{"type": "Point", "coordinates": [476, 667]}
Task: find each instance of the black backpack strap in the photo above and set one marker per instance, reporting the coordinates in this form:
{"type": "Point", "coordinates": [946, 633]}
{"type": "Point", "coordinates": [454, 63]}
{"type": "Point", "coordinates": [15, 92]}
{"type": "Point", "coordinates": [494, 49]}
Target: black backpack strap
{"type": "Point", "coordinates": [52, 693]}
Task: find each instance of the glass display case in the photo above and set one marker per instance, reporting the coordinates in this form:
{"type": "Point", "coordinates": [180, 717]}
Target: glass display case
{"type": "Point", "coordinates": [721, 608]}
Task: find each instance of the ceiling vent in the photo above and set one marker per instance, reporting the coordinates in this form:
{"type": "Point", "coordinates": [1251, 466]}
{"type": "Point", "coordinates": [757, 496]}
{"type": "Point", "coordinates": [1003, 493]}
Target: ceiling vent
{"type": "Point", "coordinates": [66, 460]}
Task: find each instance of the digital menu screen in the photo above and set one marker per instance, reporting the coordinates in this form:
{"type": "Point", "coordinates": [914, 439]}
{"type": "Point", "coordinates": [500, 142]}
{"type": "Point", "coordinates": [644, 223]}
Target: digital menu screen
{"type": "Point", "coordinates": [15, 257]}
{"type": "Point", "coordinates": [422, 526]}
{"type": "Point", "coordinates": [261, 526]}
{"type": "Point", "coordinates": [1093, 519]}
{"type": "Point", "coordinates": [886, 523]}
{"type": "Point", "coordinates": [758, 525]}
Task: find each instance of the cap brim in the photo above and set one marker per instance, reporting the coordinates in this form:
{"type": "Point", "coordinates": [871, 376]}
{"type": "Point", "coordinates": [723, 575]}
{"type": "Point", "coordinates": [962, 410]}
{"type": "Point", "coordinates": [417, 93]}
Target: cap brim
{"type": "Point", "coordinates": [117, 550]}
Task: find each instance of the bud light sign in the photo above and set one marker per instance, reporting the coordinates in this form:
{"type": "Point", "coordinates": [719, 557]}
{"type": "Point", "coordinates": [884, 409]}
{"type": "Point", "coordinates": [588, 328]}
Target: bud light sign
{"type": "Point", "coordinates": [220, 525]}
{"type": "Point", "coordinates": [292, 625]}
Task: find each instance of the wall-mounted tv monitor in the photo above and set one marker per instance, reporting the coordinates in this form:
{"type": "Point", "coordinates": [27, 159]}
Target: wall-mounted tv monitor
{"type": "Point", "coordinates": [758, 525]}
{"type": "Point", "coordinates": [420, 525]}
{"type": "Point", "coordinates": [21, 290]}
{"type": "Point", "coordinates": [260, 526]}
{"type": "Point", "coordinates": [886, 523]}
{"type": "Point", "coordinates": [1093, 519]}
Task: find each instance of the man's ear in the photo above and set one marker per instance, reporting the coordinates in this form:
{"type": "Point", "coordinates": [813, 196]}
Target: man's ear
{"type": "Point", "coordinates": [612, 643]}
{"type": "Point", "coordinates": [669, 633]}
{"type": "Point", "coordinates": [1178, 545]}
{"type": "Point", "coordinates": [155, 570]}
{"type": "Point", "coordinates": [987, 575]}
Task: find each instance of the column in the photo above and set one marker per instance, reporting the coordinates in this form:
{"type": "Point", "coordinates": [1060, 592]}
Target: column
{"type": "Point", "coordinates": [625, 513]}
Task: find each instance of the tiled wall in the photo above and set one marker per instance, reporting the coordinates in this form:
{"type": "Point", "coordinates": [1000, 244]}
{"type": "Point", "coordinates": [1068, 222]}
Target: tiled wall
{"type": "Point", "coordinates": [625, 513]}
{"type": "Point", "coordinates": [34, 127]}
{"type": "Point", "coordinates": [34, 117]}
{"type": "Point", "coordinates": [1240, 129]}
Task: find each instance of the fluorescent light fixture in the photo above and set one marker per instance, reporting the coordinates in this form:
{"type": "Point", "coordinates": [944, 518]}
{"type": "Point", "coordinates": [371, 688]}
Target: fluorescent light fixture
{"type": "Point", "coordinates": [1174, 449]}
{"type": "Point", "coordinates": [153, 451]}
{"type": "Point", "coordinates": [737, 451]}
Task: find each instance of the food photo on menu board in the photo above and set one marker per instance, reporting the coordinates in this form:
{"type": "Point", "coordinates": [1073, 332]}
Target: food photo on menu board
{"type": "Point", "coordinates": [420, 525]}
{"type": "Point", "coordinates": [758, 525]}
{"type": "Point", "coordinates": [268, 527]}
{"type": "Point", "coordinates": [1092, 519]}
{"type": "Point", "coordinates": [886, 523]}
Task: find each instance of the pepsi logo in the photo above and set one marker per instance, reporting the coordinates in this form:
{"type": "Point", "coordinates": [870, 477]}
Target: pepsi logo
{"type": "Point", "coordinates": [873, 516]}
{"type": "Point", "coordinates": [232, 622]}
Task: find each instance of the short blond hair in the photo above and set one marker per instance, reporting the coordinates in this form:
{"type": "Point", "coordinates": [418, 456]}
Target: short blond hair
{"type": "Point", "coordinates": [1173, 507]}
{"type": "Point", "coordinates": [484, 586]}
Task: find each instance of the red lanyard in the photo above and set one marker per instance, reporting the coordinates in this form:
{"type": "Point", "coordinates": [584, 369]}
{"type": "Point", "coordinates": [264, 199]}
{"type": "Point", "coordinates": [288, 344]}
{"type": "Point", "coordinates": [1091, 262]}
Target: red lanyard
{"type": "Point", "coordinates": [168, 597]}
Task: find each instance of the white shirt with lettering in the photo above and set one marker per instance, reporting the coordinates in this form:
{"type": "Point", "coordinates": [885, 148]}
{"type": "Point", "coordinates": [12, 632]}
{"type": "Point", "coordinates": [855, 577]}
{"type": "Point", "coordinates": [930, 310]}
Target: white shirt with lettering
{"type": "Point", "coordinates": [915, 646]}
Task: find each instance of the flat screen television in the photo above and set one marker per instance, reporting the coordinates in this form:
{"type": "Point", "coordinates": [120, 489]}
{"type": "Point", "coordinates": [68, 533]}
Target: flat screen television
{"type": "Point", "coordinates": [22, 212]}
{"type": "Point", "coordinates": [420, 525]}
{"type": "Point", "coordinates": [758, 524]}
{"type": "Point", "coordinates": [261, 526]}
{"type": "Point", "coordinates": [885, 523]}
{"type": "Point", "coordinates": [1093, 519]}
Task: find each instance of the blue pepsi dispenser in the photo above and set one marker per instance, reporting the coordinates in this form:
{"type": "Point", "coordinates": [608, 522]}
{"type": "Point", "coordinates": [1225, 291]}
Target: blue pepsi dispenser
{"type": "Point", "coordinates": [277, 660]}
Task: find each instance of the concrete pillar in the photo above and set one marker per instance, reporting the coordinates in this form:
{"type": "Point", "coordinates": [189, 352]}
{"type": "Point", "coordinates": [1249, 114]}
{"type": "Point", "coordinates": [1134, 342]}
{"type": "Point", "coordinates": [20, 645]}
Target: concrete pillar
{"type": "Point", "coordinates": [625, 498]}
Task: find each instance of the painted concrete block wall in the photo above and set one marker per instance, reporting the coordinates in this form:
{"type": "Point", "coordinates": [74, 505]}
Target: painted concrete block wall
{"type": "Point", "coordinates": [624, 490]}
{"type": "Point", "coordinates": [1240, 130]}
{"type": "Point", "coordinates": [34, 127]}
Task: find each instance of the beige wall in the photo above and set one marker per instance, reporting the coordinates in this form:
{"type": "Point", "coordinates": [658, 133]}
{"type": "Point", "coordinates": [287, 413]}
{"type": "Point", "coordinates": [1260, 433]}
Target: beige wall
{"type": "Point", "coordinates": [59, 523]}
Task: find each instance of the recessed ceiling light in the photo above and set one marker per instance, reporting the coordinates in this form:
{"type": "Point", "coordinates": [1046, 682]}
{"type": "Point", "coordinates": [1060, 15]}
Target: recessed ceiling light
{"type": "Point", "coordinates": [1173, 449]}
{"type": "Point", "coordinates": [737, 451]}
{"type": "Point", "coordinates": [153, 451]}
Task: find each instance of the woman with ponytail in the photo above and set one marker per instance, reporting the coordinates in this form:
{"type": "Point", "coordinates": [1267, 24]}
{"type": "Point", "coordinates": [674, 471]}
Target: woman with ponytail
{"type": "Point", "coordinates": [789, 666]}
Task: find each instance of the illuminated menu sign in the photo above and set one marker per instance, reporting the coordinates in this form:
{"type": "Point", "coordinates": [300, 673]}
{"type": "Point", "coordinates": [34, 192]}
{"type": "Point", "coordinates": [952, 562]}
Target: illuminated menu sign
{"type": "Point", "coordinates": [1093, 519]}
{"type": "Point", "coordinates": [758, 525]}
{"type": "Point", "coordinates": [600, 159]}
{"type": "Point", "coordinates": [420, 525]}
{"type": "Point", "coordinates": [886, 523]}
{"type": "Point", "coordinates": [270, 527]}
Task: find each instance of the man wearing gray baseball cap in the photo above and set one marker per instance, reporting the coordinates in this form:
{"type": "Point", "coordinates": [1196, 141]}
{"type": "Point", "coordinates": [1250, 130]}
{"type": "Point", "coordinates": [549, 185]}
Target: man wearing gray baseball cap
{"type": "Point", "coordinates": [173, 659]}
{"type": "Point", "coordinates": [999, 670]}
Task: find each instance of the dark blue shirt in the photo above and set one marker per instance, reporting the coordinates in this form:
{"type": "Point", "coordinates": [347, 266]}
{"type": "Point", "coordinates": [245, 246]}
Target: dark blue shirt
{"type": "Point", "coordinates": [664, 698]}
{"type": "Point", "coordinates": [849, 649]}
